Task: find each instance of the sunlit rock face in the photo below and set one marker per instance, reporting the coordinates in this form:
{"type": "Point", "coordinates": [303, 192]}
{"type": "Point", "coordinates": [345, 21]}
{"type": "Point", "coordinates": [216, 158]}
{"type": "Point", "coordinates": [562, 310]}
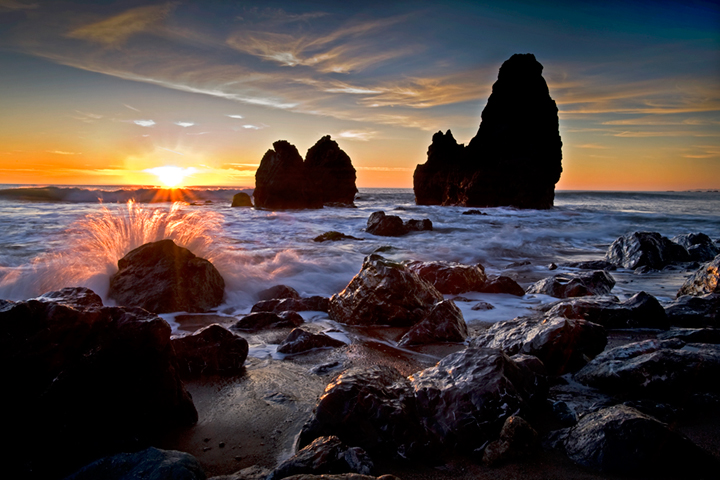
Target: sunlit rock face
{"type": "Point", "coordinates": [516, 157]}
{"type": "Point", "coordinates": [705, 280]}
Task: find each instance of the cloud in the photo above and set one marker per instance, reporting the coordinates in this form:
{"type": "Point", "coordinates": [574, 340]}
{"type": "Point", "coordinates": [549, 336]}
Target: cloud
{"type": "Point", "coordinates": [16, 5]}
{"type": "Point", "coordinates": [240, 166]}
{"type": "Point", "coordinates": [60, 152]}
{"type": "Point", "coordinates": [130, 107]}
{"type": "Point", "coordinates": [591, 145]}
{"type": "Point", "coordinates": [236, 116]}
{"type": "Point", "coordinates": [184, 124]}
{"type": "Point", "coordinates": [253, 127]}
{"type": "Point", "coordinates": [118, 28]}
{"type": "Point", "coordinates": [144, 123]}
{"type": "Point", "coordinates": [361, 135]}
{"type": "Point", "coordinates": [387, 169]}
{"type": "Point", "coordinates": [172, 151]}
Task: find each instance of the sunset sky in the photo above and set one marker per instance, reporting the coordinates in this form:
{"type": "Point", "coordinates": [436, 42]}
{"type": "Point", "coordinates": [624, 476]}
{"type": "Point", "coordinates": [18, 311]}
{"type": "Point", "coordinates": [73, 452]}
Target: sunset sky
{"type": "Point", "coordinates": [101, 92]}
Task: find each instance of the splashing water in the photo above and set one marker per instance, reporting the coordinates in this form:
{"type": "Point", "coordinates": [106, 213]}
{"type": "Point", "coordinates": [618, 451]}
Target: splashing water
{"type": "Point", "coordinates": [96, 243]}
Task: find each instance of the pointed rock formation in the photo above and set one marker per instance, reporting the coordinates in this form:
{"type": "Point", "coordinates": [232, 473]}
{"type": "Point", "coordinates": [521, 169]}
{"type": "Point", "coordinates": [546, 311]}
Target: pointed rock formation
{"type": "Point", "coordinates": [515, 158]}
{"type": "Point", "coordinates": [330, 172]}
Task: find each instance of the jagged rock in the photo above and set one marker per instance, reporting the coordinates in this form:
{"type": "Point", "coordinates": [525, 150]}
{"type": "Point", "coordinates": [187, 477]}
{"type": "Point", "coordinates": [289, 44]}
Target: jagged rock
{"type": "Point", "coordinates": [640, 311]}
{"type": "Point", "coordinates": [334, 237]}
{"type": "Point", "coordinates": [565, 285]}
{"type": "Point", "coordinates": [414, 225]}
{"type": "Point", "coordinates": [620, 439]}
{"type": "Point", "coordinates": [695, 311]}
{"type": "Point", "coordinates": [281, 182]}
{"type": "Point", "coordinates": [471, 212]}
{"type": "Point", "coordinates": [645, 249]}
{"type": "Point", "coordinates": [373, 408]}
{"type": "Point", "coordinates": [693, 335]}
{"type": "Point", "coordinates": [450, 278]}
{"type": "Point", "coordinates": [517, 439]}
{"type": "Point", "coordinates": [502, 284]}
{"type": "Point", "coordinates": [482, 306]}
{"type": "Point", "coordinates": [657, 368]}
{"type": "Point", "coordinates": [562, 344]}
{"type": "Point", "coordinates": [699, 246]}
{"type": "Point", "coordinates": [592, 265]}
{"type": "Point", "coordinates": [330, 173]}
{"type": "Point", "coordinates": [86, 380]}
{"type": "Point", "coordinates": [315, 303]}
{"type": "Point", "coordinates": [148, 464]}
{"type": "Point", "coordinates": [241, 199]}
{"type": "Point", "coordinates": [325, 455]}
{"type": "Point", "coordinates": [277, 292]}
{"type": "Point", "coordinates": [704, 280]}
{"type": "Point", "coordinates": [444, 323]}
{"type": "Point", "coordinates": [465, 399]}
{"type": "Point", "coordinates": [515, 158]}
{"type": "Point", "coordinates": [267, 320]}
{"type": "Point", "coordinates": [299, 341]}
{"type": "Point", "coordinates": [210, 350]}
{"type": "Point", "coordinates": [162, 277]}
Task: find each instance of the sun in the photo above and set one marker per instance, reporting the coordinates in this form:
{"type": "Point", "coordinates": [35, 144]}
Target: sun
{"type": "Point", "coordinates": [170, 175]}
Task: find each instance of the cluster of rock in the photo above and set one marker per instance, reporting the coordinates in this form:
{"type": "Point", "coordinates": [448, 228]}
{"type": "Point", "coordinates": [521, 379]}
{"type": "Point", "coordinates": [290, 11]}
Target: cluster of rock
{"type": "Point", "coordinates": [284, 181]}
{"type": "Point", "coordinates": [652, 251]}
{"type": "Point", "coordinates": [515, 158]}
{"type": "Point", "coordinates": [393, 226]}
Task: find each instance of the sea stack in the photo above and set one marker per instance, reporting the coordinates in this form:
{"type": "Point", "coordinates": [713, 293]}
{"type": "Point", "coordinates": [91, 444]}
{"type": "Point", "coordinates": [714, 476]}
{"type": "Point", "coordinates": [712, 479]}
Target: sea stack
{"type": "Point", "coordinates": [516, 157]}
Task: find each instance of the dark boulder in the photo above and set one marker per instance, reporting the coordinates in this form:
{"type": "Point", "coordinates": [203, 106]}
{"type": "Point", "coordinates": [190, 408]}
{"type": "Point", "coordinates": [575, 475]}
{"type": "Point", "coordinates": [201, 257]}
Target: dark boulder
{"type": "Point", "coordinates": [373, 408]}
{"type": "Point", "coordinates": [465, 399]}
{"type": "Point", "coordinates": [639, 311]}
{"type": "Point", "coordinates": [704, 280]}
{"type": "Point", "coordinates": [450, 278]}
{"type": "Point", "coordinates": [86, 381]}
{"type": "Point", "coordinates": [148, 464]}
{"type": "Point", "coordinates": [517, 439]}
{"type": "Point", "coordinates": [210, 350]}
{"type": "Point", "coordinates": [383, 225]}
{"type": "Point", "coordinates": [414, 225]}
{"type": "Point", "coordinates": [502, 284]}
{"type": "Point", "coordinates": [268, 320]}
{"type": "Point", "coordinates": [562, 344]}
{"type": "Point", "coordinates": [315, 303]}
{"type": "Point", "coordinates": [515, 158]}
{"type": "Point", "coordinates": [277, 292]}
{"type": "Point", "coordinates": [384, 293]}
{"type": "Point", "coordinates": [620, 439]}
{"type": "Point", "coordinates": [566, 285]}
{"type": "Point", "coordinates": [592, 265]}
{"type": "Point", "coordinates": [699, 246]}
{"type": "Point", "coordinates": [241, 199]}
{"type": "Point", "coordinates": [695, 311]}
{"type": "Point", "coordinates": [333, 236]}
{"type": "Point", "coordinates": [281, 182]}
{"type": "Point", "coordinates": [645, 249]}
{"type": "Point", "coordinates": [162, 277]}
{"type": "Point", "coordinates": [330, 173]}
{"type": "Point", "coordinates": [299, 341]}
{"type": "Point", "coordinates": [444, 323]}
{"type": "Point", "coordinates": [693, 335]}
{"type": "Point", "coordinates": [325, 455]}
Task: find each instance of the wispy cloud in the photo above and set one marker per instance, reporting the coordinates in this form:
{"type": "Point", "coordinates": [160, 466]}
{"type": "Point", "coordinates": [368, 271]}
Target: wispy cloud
{"type": "Point", "coordinates": [60, 152]}
{"type": "Point", "coordinates": [591, 145]}
{"type": "Point", "coordinates": [360, 135]}
{"type": "Point", "coordinates": [144, 123]}
{"type": "Point", "coordinates": [169, 150]}
{"type": "Point", "coordinates": [118, 28]}
{"type": "Point", "coordinates": [240, 166]}
{"type": "Point", "coordinates": [236, 116]}
{"type": "Point", "coordinates": [130, 107]}
{"type": "Point", "coordinates": [185, 124]}
{"type": "Point", "coordinates": [16, 5]}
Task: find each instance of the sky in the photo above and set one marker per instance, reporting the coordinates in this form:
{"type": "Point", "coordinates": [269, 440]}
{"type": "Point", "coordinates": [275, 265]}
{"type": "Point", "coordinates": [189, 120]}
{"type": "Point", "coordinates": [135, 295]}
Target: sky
{"type": "Point", "coordinates": [107, 92]}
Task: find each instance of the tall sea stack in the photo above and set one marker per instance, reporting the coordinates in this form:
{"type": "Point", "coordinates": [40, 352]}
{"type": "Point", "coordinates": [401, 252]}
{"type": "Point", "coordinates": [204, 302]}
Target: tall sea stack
{"type": "Point", "coordinates": [516, 157]}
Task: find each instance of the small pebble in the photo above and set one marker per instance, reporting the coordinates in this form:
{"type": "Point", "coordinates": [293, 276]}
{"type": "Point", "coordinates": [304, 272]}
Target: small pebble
{"type": "Point", "coordinates": [221, 444]}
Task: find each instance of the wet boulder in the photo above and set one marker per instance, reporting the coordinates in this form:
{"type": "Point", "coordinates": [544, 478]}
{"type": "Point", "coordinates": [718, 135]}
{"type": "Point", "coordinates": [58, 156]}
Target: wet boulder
{"type": "Point", "coordinates": [592, 265]}
{"type": "Point", "coordinates": [330, 173]}
{"type": "Point", "coordinates": [281, 182]}
{"type": "Point", "coordinates": [148, 464]}
{"type": "Point", "coordinates": [380, 224]}
{"type": "Point", "coordinates": [693, 335]}
{"type": "Point", "coordinates": [566, 285]}
{"type": "Point", "coordinates": [699, 246]}
{"type": "Point", "coordinates": [656, 368]}
{"type": "Point", "coordinates": [278, 292]}
{"type": "Point", "coordinates": [299, 341]}
{"type": "Point", "coordinates": [325, 455]}
{"type": "Point", "coordinates": [162, 277]}
{"type": "Point", "coordinates": [444, 323]}
{"type": "Point", "coordinates": [502, 284]}
{"type": "Point", "coordinates": [704, 280]}
{"type": "Point", "coordinates": [373, 408]}
{"type": "Point", "coordinates": [517, 439]}
{"type": "Point", "coordinates": [87, 380]}
{"type": "Point", "coordinates": [465, 399]}
{"type": "Point", "coordinates": [562, 344]}
{"type": "Point", "coordinates": [645, 249]}
{"type": "Point", "coordinates": [241, 199]}
{"type": "Point", "coordinates": [415, 225]}
{"type": "Point", "coordinates": [268, 320]}
{"type": "Point", "coordinates": [384, 293]}
{"type": "Point", "coordinates": [334, 236]}
{"type": "Point", "coordinates": [210, 350]}
{"type": "Point", "coordinates": [315, 303]}
{"type": "Point", "coordinates": [620, 439]}
{"type": "Point", "coordinates": [639, 311]}
{"type": "Point", "coordinates": [450, 278]}
{"type": "Point", "coordinates": [695, 311]}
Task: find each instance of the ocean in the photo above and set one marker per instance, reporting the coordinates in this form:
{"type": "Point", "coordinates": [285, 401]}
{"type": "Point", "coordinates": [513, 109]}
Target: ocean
{"type": "Point", "coordinates": [55, 237]}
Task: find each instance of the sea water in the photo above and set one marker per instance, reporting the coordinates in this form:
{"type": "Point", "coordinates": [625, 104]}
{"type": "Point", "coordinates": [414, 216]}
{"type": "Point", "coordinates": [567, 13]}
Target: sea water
{"type": "Point", "coordinates": [56, 237]}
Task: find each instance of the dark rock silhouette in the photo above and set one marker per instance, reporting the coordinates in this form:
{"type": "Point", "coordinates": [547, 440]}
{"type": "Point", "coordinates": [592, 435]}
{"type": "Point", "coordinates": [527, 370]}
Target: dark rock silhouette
{"type": "Point", "coordinates": [284, 181]}
{"type": "Point", "coordinates": [241, 199]}
{"type": "Point", "coordinates": [299, 341]}
{"type": "Point", "coordinates": [566, 285]}
{"type": "Point", "coordinates": [645, 249]}
{"type": "Point", "coordinates": [444, 323]}
{"type": "Point", "coordinates": [268, 320]}
{"type": "Point", "coordinates": [517, 439]}
{"type": "Point", "coordinates": [515, 158]}
{"type": "Point", "coordinates": [695, 311]}
{"type": "Point", "coordinates": [379, 223]}
{"type": "Point", "coordinates": [149, 464]}
{"type": "Point", "coordinates": [210, 350]}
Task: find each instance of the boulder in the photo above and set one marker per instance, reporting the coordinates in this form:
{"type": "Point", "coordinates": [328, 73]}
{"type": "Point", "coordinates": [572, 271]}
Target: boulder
{"type": "Point", "coordinates": [465, 399]}
{"type": "Point", "coordinates": [268, 320]}
{"type": "Point", "coordinates": [315, 303]}
{"type": "Point", "coordinates": [333, 236]}
{"type": "Point", "coordinates": [299, 341]}
{"type": "Point", "coordinates": [699, 246]}
{"type": "Point", "coordinates": [148, 464]}
{"type": "Point", "coordinates": [566, 285]}
{"type": "Point", "coordinates": [383, 225]}
{"type": "Point", "coordinates": [414, 225]}
{"type": "Point", "coordinates": [162, 277]}
{"type": "Point", "coordinates": [373, 408]}
{"type": "Point", "coordinates": [281, 182]}
{"type": "Point", "coordinates": [384, 293]}
{"type": "Point", "coordinates": [241, 199]}
{"type": "Point", "coordinates": [278, 292]}
{"type": "Point", "coordinates": [562, 344]}
{"type": "Point", "coordinates": [325, 455]}
{"type": "Point", "coordinates": [517, 439]}
{"type": "Point", "coordinates": [502, 284]}
{"type": "Point", "coordinates": [450, 278]}
{"type": "Point", "coordinates": [444, 323]}
{"type": "Point", "coordinates": [592, 265]}
{"type": "Point", "coordinates": [693, 335]}
{"type": "Point", "coordinates": [645, 249]}
{"type": "Point", "coordinates": [620, 439]}
{"type": "Point", "coordinates": [330, 173]}
{"type": "Point", "coordinates": [639, 311]}
{"type": "Point", "coordinates": [86, 381]}
{"type": "Point", "coordinates": [695, 311]}
{"type": "Point", "coordinates": [515, 158]}
{"type": "Point", "coordinates": [655, 368]}
{"type": "Point", "coordinates": [210, 350]}
{"type": "Point", "coordinates": [704, 280]}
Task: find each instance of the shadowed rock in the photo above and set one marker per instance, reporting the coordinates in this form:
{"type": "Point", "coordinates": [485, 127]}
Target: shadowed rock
{"type": "Point", "coordinates": [267, 320]}
{"type": "Point", "coordinates": [567, 285]}
{"type": "Point", "coordinates": [695, 311]}
{"type": "Point", "coordinates": [517, 439]}
{"type": "Point", "coordinates": [325, 455]}
{"type": "Point", "coordinates": [450, 278]}
{"type": "Point", "coordinates": [502, 284]}
{"type": "Point", "coordinates": [241, 199]}
{"type": "Point", "coordinates": [149, 464]}
{"type": "Point", "coordinates": [315, 303]}
{"type": "Point", "coordinates": [704, 280]}
{"type": "Point", "coordinates": [392, 226]}
{"type": "Point", "coordinates": [299, 341]}
{"type": "Point", "coordinates": [699, 246]}
{"type": "Point", "coordinates": [210, 350]}
{"type": "Point", "coordinates": [334, 236]}
{"type": "Point", "coordinates": [645, 249]}
{"type": "Point", "coordinates": [280, 180]}
{"type": "Point", "coordinates": [162, 277]}
{"type": "Point", "coordinates": [444, 323]}
{"type": "Point", "coordinates": [277, 292]}
{"type": "Point", "coordinates": [330, 173]}
{"type": "Point", "coordinates": [640, 311]}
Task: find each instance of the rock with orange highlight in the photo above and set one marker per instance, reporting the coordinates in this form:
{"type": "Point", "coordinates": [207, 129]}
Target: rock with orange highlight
{"type": "Point", "coordinates": [705, 280]}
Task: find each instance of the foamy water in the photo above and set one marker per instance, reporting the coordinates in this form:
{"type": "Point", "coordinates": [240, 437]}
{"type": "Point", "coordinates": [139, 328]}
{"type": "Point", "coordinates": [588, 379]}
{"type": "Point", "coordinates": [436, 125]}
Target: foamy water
{"type": "Point", "coordinates": [71, 239]}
